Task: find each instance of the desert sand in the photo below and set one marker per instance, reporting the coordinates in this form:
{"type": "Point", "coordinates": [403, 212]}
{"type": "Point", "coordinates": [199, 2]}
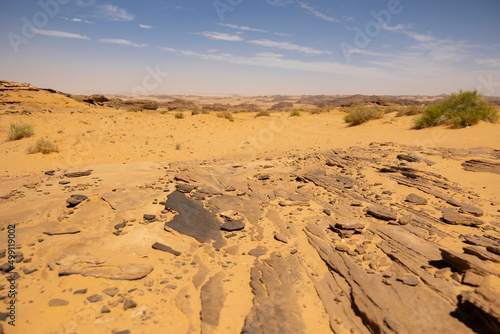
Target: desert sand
{"type": "Point", "coordinates": [148, 223]}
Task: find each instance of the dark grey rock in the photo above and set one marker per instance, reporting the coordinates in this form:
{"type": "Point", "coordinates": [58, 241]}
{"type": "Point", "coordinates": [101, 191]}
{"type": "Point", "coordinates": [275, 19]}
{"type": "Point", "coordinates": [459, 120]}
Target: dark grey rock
{"type": "Point", "coordinates": [129, 303]}
{"type": "Point", "coordinates": [58, 302]}
{"type": "Point", "coordinates": [74, 200]}
{"type": "Point", "coordinates": [165, 248]}
{"type": "Point", "coordinates": [416, 199]}
{"type": "Point", "coordinates": [94, 298]}
{"type": "Point", "coordinates": [233, 225]}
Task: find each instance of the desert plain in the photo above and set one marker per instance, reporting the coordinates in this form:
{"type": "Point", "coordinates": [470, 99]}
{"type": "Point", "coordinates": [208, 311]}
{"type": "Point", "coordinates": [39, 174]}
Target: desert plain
{"type": "Point", "coordinates": [165, 220]}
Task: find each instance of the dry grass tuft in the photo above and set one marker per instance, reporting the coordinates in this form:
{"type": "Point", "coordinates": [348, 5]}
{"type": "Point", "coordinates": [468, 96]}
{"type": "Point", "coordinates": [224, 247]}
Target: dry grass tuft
{"type": "Point", "coordinates": [226, 115]}
{"type": "Point", "coordinates": [19, 131]}
{"type": "Point", "coordinates": [43, 146]}
{"type": "Point", "coordinates": [262, 113]}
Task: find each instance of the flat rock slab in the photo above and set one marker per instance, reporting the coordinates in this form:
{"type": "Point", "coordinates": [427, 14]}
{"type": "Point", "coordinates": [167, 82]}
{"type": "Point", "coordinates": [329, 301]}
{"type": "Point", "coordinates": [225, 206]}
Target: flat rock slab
{"type": "Point", "coordinates": [416, 199]}
{"type": "Point", "coordinates": [74, 200]}
{"type": "Point", "coordinates": [477, 165]}
{"type": "Point", "coordinates": [294, 203]}
{"type": "Point", "coordinates": [481, 308]}
{"type": "Point", "coordinates": [79, 174]}
{"type": "Point", "coordinates": [381, 212]}
{"type": "Point", "coordinates": [61, 229]}
{"type": "Point", "coordinates": [454, 218]}
{"type": "Point", "coordinates": [128, 271]}
{"type": "Point", "coordinates": [233, 225]}
{"type": "Point", "coordinates": [58, 302]}
{"type": "Point", "coordinates": [471, 210]}
{"type": "Point", "coordinates": [193, 219]}
{"type": "Point", "coordinates": [346, 224]}
{"type": "Point", "coordinates": [165, 248]}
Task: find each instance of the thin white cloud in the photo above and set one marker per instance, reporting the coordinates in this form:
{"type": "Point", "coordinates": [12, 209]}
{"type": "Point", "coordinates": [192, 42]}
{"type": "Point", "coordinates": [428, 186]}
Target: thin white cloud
{"type": "Point", "coordinates": [269, 54]}
{"type": "Point", "coordinates": [77, 20]}
{"type": "Point", "coordinates": [234, 26]}
{"type": "Point", "coordinates": [56, 33]}
{"type": "Point", "coordinates": [491, 62]}
{"type": "Point", "coordinates": [364, 52]}
{"type": "Point", "coordinates": [145, 26]}
{"type": "Point", "coordinates": [272, 61]}
{"type": "Point", "coordinates": [419, 37]}
{"type": "Point", "coordinates": [287, 46]}
{"type": "Point", "coordinates": [121, 42]}
{"type": "Point", "coordinates": [113, 13]}
{"type": "Point", "coordinates": [220, 36]}
{"type": "Point", "coordinates": [317, 13]}
{"type": "Point", "coordinates": [398, 27]}
{"type": "Point", "coordinates": [279, 2]}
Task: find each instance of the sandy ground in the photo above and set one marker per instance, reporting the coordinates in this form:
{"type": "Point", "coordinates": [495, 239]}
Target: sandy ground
{"type": "Point", "coordinates": [130, 153]}
{"type": "Point", "coordinates": [89, 135]}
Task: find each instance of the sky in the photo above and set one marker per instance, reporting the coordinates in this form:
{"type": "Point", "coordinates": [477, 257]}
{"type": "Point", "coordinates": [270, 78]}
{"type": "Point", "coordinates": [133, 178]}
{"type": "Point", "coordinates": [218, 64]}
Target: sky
{"type": "Point", "coordinates": [252, 47]}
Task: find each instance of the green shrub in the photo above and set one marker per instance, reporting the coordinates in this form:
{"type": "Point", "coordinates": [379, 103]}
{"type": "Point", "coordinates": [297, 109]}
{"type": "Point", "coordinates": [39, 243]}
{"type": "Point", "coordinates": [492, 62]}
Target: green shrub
{"type": "Point", "coordinates": [44, 146]}
{"type": "Point", "coordinates": [409, 111]}
{"type": "Point", "coordinates": [262, 113]}
{"type": "Point", "coordinates": [294, 113]}
{"type": "Point", "coordinates": [460, 110]}
{"type": "Point", "coordinates": [179, 115]}
{"type": "Point", "coordinates": [362, 115]}
{"type": "Point", "coordinates": [19, 131]}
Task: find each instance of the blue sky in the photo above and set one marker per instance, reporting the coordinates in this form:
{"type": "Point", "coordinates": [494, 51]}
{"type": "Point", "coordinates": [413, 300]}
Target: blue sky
{"type": "Point", "coordinates": [252, 47]}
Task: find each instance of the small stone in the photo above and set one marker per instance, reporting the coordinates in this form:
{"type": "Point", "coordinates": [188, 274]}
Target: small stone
{"type": "Point", "coordinates": [442, 273]}
{"type": "Point", "coordinates": [78, 174]}
{"type": "Point", "coordinates": [327, 212]}
{"type": "Point", "coordinates": [74, 200]}
{"type": "Point", "coordinates": [346, 224]}
{"type": "Point", "coordinates": [111, 291]}
{"type": "Point", "coordinates": [94, 298]}
{"type": "Point", "coordinates": [129, 303]}
{"type": "Point", "coordinates": [471, 278]}
{"type": "Point", "coordinates": [233, 225]}
{"type": "Point", "coordinates": [185, 188]}
{"type": "Point", "coordinates": [80, 292]}
{"type": "Point", "coordinates": [149, 217]}
{"type": "Point", "coordinates": [381, 212]}
{"type": "Point", "coordinates": [405, 220]}
{"type": "Point", "coordinates": [58, 302]}
{"type": "Point", "coordinates": [148, 282]}
{"type": "Point", "coordinates": [356, 203]}
{"type": "Point", "coordinates": [105, 309]}
{"type": "Point", "coordinates": [342, 248]}
{"type": "Point", "coordinates": [29, 270]}
{"type": "Point", "coordinates": [120, 226]}
{"type": "Point", "coordinates": [64, 182]}
{"type": "Point", "coordinates": [280, 237]}
{"type": "Point", "coordinates": [410, 280]}
{"type": "Point", "coordinates": [416, 199]}
{"type": "Point", "coordinates": [123, 332]}
{"type": "Point", "coordinates": [165, 248]}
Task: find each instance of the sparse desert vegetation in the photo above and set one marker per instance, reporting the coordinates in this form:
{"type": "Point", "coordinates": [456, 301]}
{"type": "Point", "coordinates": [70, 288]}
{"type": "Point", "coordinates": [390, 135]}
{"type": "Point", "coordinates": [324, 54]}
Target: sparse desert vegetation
{"type": "Point", "coordinates": [294, 113]}
{"type": "Point", "coordinates": [262, 113]}
{"type": "Point", "coordinates": [179, 115]}
{"type": "Point", "coordinates": [409, 111]}
{"type": "Point", "coordinates": [226, 114]}
{"type": "Point", "coordinates": [461, 109]}
{"type": "Point", "coordinates": [362, 115]}
{"type": "Point", "coordinates": [19, 131]}
{"type": "Point", "coordinates": [43, 146]}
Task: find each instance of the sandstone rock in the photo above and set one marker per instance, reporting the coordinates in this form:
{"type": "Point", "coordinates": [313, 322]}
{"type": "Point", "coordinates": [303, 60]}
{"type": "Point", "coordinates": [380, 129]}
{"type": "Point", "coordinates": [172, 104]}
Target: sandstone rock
{"type": "Point", "coordinates": [294, 203]}
{"type": "Point", "coordinates": [464, 262]}
{"type": "Point", "coordinates": [164, 248]}
{"type": "Point", "coordinates": [95, 298]}
{"type": "Point", "coordinates": [128, 304]}
{"type": "Point", "coordinates": [280, 237]}
{"type": "Point", "coordinates": [58, 302]}
{"type": "Point", "coordinates": [405, 220]}
{"type": "Point", "coordinates": [61, 228]}
{"type": "Point", "coordinates": [349, 225]}
{"type": "Point", "coordinates": [78, 174]}
{"type": "Point", "coordinates": [381, 213]}
{"type": "Point", "coordinates": [212, 300]}
{"type": "Point", "coordinates": [233, 225]}
{"type": "Point", "coordinates": [454, 218]}
{"type": "Point", "coordinates": [416, 199]}
{"type": "Point", "coordinates": [128, 271]}
{"type": "Point", "coordinates": [471, 278]}
{"type": "Point", "coordinates": [481, 310]}
{"type": "Point", "coordinates": [410, 280]}
{"type": "Point", "coordinates": [74, 200]}
{"type": "Point", "coordinates": [111, 291]}
{"type": "Point", "coordinates": [471, 210]}
{"type": "Point", "coordinates": [105, 309]}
